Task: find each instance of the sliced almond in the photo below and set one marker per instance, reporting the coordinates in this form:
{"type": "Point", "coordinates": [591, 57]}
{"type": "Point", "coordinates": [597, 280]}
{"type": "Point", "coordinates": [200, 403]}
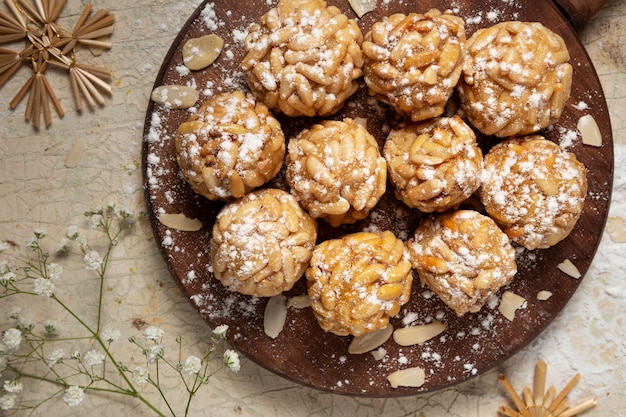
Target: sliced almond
{"type": "Point", "coordinates": [413, 335]}
{"type": "Point", "coordinates": [199, 53]}
{"type": "Point", "coordinates": [361, 7]}
{"type": "Point", "coordinates": [299, 301]}
{"type": "Point", "coordinates": [410, 377]}
{"type": "Point", "coordinates": [370, 341]}
{"type": "Point", "coordinates": [175, 96]}
{"type": "Point", "coordinates": [180, 222]}
{"type": "Point", "coordinates": [75, 154]}
{"type": "Point", "coordinates": [544, 295]}
{"type": "Point", "coordinates": [589, 131]}
{"type": "Point", "coordinates": [510, 303]}
{"type": "Point", "coordinates": [379, 353]}
{"type": "Point", "coordinates": [275, 315]}
{"type": "Point", "coordinates": [569, 268]}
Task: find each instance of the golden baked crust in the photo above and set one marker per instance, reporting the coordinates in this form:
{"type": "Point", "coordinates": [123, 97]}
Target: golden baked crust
{"type": "Point", "coordinates": [230, 146]}
{"type": "Point", "coordinates": [413, 62]}
{"type": "Point", "coordinates": [516, 78]}
{"type": "Point", "coordinates": [464, 257]}
{"type": "Point", "coordinates": [534, 190]}
{"type": "Point", "coordinates": [434, 165]}
{"type": "Point", "coordinates": [335, 170]}
{"type": "Point", "coordinates": [358, 281]}
{"type": "Point", "coordinates": [262, 243]}
{"type": "Point", "coordinates": [303, 58]}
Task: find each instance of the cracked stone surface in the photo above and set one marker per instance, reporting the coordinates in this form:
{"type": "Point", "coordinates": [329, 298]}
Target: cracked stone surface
{"type": "Point", "coordinates": [49, 178]}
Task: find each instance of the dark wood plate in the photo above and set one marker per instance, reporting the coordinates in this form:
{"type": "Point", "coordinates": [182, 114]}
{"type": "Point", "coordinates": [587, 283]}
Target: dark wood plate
{"type": "Point", "coordinates": [303, 352]}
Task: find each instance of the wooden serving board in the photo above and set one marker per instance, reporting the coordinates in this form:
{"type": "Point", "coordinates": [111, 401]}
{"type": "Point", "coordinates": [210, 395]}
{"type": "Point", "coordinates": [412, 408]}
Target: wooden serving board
{"type": "Point", "coordinates": [303, 352]}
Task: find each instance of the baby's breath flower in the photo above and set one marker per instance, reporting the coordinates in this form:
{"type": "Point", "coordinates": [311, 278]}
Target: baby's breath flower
{"type": "Point", "coordinates": [12, 339]}
{"type": "Point", "coordinates": [4, 246]}
{"type": "Point", "coordinates": [64, 246]}
{"type": "Point", "coordinates": [72, 232]}
{"type": "Point", "coordinates": [7, 402]}
{"type": "Point", "coordinates": [192, 365]}
{"type": "Point", "coordinates": [221, 330]}
{"type": "Point", "coordinates": [73, 395]}
{"type": "Point", "coordinates": [93, 260]}
{"type": "Point", "coordinates": [6, 279]}
{"type": "Point", "coordinates": [109, 335]}
{"type": "Point", "coordinates": [231, 360]}
{"type": "Point", "coordinates": [51, 327]}
{"type": "Point", "coordinates": [13, 386]}
{"type": "Point", "coordinates": [32, 244]}
{"type": "Point", "coordinates": [4, 267]}
{"type": "Point", "coordinates": [140, 374]}
{"type": "Point", "coordinates": [54, 271]}
{"type": "Point", "coordinates": [154, 352]}
{"type": "Point", "coordinates": [44, 287]}
{"type": "Point", "coordinates": [96, 221]}
{"type": "Point", "coordinates": [93, 358]}
{"type": "Point", "coordinates": [14, 312]}
{"type": "Point", "coordinates": [56, 356]}
{"type": "Point", "coordinates": [76, 355]}
{"type": "Point", "coordinates": [40, 232]}
{"type": "Point", "coordinates": [82, 241]}
{"type": "Point", "coordinates": [153, 333]}
{"type": "Point", "coordinates": [3, 358]}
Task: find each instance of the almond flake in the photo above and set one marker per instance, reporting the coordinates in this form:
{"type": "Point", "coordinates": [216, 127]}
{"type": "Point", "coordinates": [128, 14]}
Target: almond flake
{"type": "Point", "coordinates": [544, 295]}
{"type": "Point", "coordinates": [589, 131]}
{"type": "Point", "coordinates": [414, 335]}
{"type": "Point", "coordinates": [569, 268]}
{"type": "Point", "coordinates": [180, 222]}
{"type": "Point", "coordinates": [175, 96]}
{"type": "Point", "coordinates": [370, 341]}
{"type": "Point", "coordinates": [361, 7]}
{"type": "Point", "coordinates": [410, 377]}
{"type": "Point", "coordinates": [275, 315]}
{"type": "Point", "coordinates": [379, 353]}
{"type": "Point", "coordinates": [199, 53]}
{"type": "Point", "coordinates": [75, 153]}
{"type": "Point", "coordinates": [509, 304]}
{"type": "Point", "coordinates": [299, 301]}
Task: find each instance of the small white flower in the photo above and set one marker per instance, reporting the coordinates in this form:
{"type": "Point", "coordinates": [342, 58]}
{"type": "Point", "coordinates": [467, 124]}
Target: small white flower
{"type": "Point", "coordinates": [40, 232]}
{"type": "Point", "coordinates": [44, 287]}
{"type": "Point", "coordinates": [76, 355]}
{"type": "Point", "coordinates": [192, 365]}
{"type": "Point", "coordinates": [82, 241]}
{"type": "Point", "coordinates": [12, 339]}
{"type": "Point", "coordinates": [51, 327]}
{"type": "Point", "coordinates": [4, 267]}
{"type": "Point", "coordinates": [96, 221]}
{"type": "Point", "coordinates": [154, 352]}
{"type": "Point", "coordinates": [6, 279]}
{"type": "Point", "coordinates": [54, 271]}
{"type": "Point", "coordinates": [32, 244]}
{"type": "Point", "coordinates": [14, 312]}
{"type": "Point", "coordinates": [64, 246]}
{"type": "Point", "coordinates": [4, 246]}
{"type": "Point", "coordinates": [7, 402]}
{"type": "Point", "coordinates": [56, 356]}
{"type": "Point", "coordinates": [72, 232]}
{"type": "Point", "coordinates": [153, 333]}
{"type": "Point", "coordinates": [93, 358]}
{"type": "Point", "coordinates": [73, 395]}
{"type": "Point", "coordinates": [92, 260]}
{"type": "Point", "coordinates": [140, 374]}
{"type": "Point", "coordinates": [221, 330]}
{"type": "Point", "coordinates": [13, 386]}
{"type": "Point", "coordinates": [231, 360]}
{"type": "Point", "coordinates": [109, 335]}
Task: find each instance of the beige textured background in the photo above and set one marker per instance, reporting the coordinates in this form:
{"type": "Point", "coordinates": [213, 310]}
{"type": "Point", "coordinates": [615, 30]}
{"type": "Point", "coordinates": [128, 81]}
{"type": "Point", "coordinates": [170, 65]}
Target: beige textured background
{"type": "Point", "coordinates": [37, 189]}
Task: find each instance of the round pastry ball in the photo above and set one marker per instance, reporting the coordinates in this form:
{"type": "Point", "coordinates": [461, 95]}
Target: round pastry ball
{"type": "Point", "coordinates": [413, 62]}
{"type": "Point", "coordinates": [516, 78]}
{"type": "Point", "coordinates": [462, 256]}
{"type": "Point", "coordinates": [434, 165]}
{"type": "Point", "coordinates": [262, 243]}
{"type": "Point", "coordinates": [358, 281]}
{"type": "Point", "coordinates": [230, 146]}
{"type": "Point", "coordinates": [303, 58]}
{"type": "Point", "coordinates": [534, 190]}
{"type": "Point", "coordinates": [336, 171]}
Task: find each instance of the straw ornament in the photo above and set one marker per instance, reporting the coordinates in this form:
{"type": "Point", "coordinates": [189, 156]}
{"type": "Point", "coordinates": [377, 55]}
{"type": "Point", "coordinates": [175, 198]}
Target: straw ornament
{"type": "Point", "coordinates": [539, 402]}
{"type": "Point", "coordinates": [48, 46]}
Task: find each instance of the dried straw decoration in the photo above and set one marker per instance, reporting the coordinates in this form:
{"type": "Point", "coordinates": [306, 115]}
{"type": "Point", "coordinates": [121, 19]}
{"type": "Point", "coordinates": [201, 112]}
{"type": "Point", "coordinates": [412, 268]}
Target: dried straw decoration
{"type": "Point", "coordinates": [540, 402]}
{"type": "Point", "coordinates": [48, 46]}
